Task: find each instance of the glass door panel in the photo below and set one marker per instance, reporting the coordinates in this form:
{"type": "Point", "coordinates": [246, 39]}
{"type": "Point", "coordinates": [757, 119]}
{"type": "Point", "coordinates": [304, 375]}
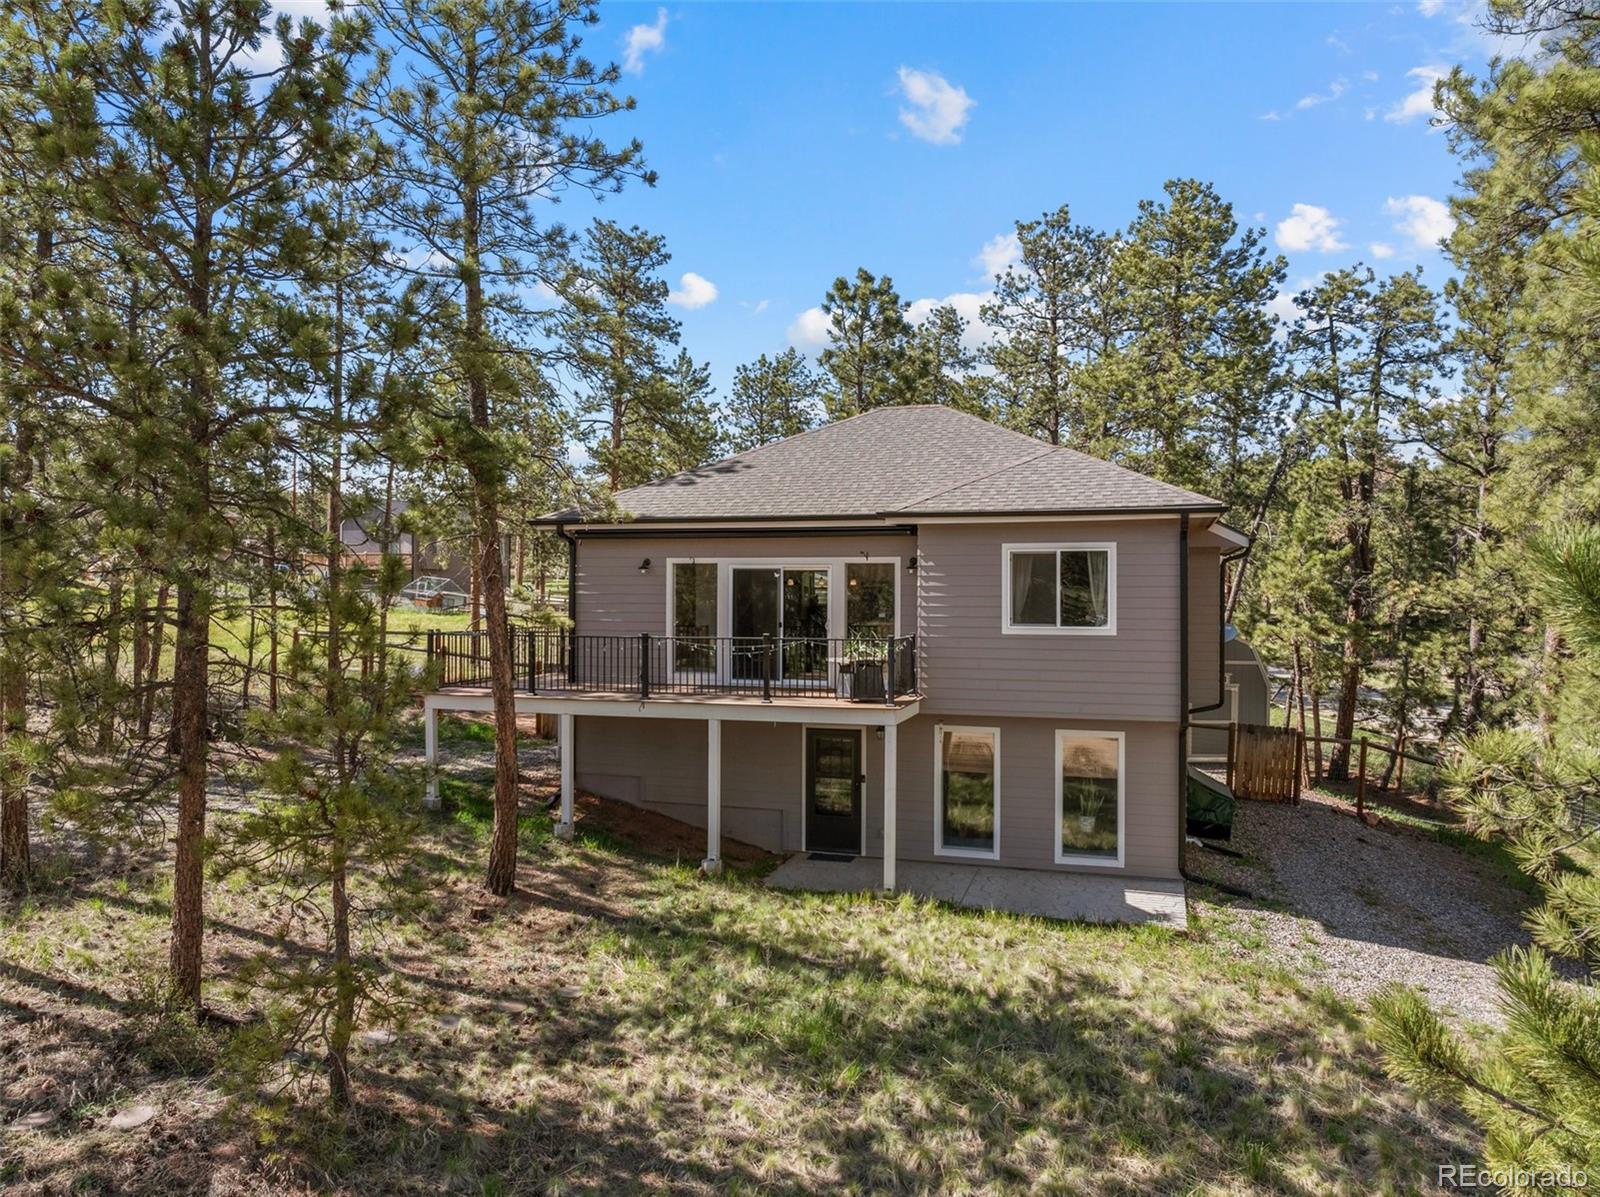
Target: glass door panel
{"type": "Point", "coordinates": [805, 623]}
{"type": "Point", "coordinates": [755, 615]}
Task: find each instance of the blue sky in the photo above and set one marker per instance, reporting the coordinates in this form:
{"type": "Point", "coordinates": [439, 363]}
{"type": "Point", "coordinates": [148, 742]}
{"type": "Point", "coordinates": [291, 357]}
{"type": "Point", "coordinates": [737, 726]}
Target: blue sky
{"type": "Point", "coordinates": [796, 142]}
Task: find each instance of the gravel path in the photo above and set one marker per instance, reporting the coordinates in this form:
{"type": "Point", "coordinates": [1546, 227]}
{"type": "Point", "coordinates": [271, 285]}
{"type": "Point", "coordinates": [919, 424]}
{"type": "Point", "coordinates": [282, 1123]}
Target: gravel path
{"type": "Point", "coordinates": [1357, 907]}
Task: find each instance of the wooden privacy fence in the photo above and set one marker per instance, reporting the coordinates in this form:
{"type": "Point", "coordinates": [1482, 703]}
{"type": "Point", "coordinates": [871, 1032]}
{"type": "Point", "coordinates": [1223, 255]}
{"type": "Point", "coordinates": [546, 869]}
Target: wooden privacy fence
{"type": "Point", "coordinates": [1265, 762]}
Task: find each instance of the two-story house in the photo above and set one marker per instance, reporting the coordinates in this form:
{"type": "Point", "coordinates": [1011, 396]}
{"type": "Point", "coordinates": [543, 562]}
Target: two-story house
{"type": "Point", "coordinates": [910, 636]}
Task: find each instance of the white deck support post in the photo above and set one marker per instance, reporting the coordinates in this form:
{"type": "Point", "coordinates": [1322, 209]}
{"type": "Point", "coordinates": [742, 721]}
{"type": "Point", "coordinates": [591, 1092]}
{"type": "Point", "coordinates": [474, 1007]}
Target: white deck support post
{"type": "Point", "coordinates": [564, 735]}
{"type": "Point", "coordinates": [430, 752]}
{"type": "Point", "coordinates": [712, 864]}
{"type": "Point", "coordinates": [891, 761]}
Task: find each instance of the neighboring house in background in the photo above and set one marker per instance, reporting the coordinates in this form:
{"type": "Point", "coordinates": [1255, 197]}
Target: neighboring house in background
{"type": "Point", "coordinates": [1030, 627]}
{"type": "Point", "coordinates": [362, 537]}
{"type": "Point", "coordinates": [1247, 698]}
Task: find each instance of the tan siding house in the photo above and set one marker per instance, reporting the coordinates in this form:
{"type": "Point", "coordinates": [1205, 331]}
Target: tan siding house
{"type": "Point", "coordinates": [909, 636]}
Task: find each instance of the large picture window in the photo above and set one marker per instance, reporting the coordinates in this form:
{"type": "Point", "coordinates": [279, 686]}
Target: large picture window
{"type": "Point", "coordinates": [1060, 588]}
{"type": "Point", "coordinates": [694, 615]}
{"type": "Point", "coordinates": [1089, 797]}
{"type": "Point", "coordinates": [967, 806]}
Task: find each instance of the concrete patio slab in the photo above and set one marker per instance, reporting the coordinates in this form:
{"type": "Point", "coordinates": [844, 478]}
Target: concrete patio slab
{"type": "Point", "coordinates": [1075, 897]}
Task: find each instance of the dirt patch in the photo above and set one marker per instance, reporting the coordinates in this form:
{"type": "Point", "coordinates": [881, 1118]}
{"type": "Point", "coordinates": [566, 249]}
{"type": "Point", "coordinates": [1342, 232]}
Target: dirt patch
{"type": "Point", "coordinates": [656, 834]}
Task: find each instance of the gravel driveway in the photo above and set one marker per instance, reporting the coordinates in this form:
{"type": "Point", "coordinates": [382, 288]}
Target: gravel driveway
{"type": "Point", "coordinates": [1356, 907]}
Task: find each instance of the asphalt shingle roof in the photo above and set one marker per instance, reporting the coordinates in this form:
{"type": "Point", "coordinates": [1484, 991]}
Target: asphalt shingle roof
{"type": "Point", "coordinates": [892, 461]}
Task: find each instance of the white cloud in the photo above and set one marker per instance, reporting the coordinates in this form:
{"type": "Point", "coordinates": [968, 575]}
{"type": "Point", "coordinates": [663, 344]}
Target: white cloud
{"type": "Point", "coordinates": [693, 291]}
{"type": "Point", "coordinates": [1283, 306]}
{"type": "Point", "coordinates": [1335, 89]}
{"type": "Point", "coordinates": [760, 307]}
{"type": "Point", "coordinates": [1338, 43]}
{"type": "Point", "coordinates": [998, 252]}
{"type": "Point", "coordinates": [938, 109]}
{"type": "Point", "coordinates": [1381, 250]}
{"type": "Point", "coordinates": [809, 329]}
{"type": "Point", "coordinates": [1429, 8]}
{"type": "Point", "coordinates": [642, 40]}
{"type": "Point", "coordinates": [967, 304]}
{"type": "Point", "coordinates": [1425, 220]}
{"type": "Point", "coordinates": [1310, 227]}
{"type": "Point", "coordinates": [1419, 102]}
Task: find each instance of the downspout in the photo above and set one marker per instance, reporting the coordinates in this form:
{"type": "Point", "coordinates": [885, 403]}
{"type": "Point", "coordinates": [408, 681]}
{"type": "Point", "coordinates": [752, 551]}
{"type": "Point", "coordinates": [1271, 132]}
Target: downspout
{"type": "Point", "coordinates": [1183, 691]}
{"type": "Point", "coordinates": [1184, 709]}
{"type": "Point", "coordinates": [1222, 632]}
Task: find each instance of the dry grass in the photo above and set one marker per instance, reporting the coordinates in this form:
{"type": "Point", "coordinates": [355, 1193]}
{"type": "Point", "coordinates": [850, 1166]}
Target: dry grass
{"type": "Point", "coordinates": [624, 1025]}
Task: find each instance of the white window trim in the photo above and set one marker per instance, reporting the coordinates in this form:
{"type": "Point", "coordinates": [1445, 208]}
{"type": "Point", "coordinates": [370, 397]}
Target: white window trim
{"type": "Point", "coordinates": [805, 764]}
{"type": "Point", "coordinates": [1095, 862]}
{"type": "Point", "coordinates": [939, 849]}
{"type": "Point", "coordinates": [726, 565]}
{"type": "Point", "coordinates": [1109, 547]}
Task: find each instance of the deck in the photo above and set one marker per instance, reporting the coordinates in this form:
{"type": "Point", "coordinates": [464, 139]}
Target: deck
{"type": "Point", "coordinates": [736, 671]}
{"type": "Point", "coordinates": [475, 695]}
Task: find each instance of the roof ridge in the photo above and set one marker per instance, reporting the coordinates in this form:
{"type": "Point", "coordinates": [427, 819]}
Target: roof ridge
{"type": "Point", "coordinates": [754, 449]}
{"type": "Point", "coordinates": [1010, 465]}
{"type": "Point", "coordinates": [1182, 490]}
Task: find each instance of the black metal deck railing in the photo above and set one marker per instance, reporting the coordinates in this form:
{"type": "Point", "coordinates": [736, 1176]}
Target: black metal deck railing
{"type": "Point", "coordinates": [648, 666]}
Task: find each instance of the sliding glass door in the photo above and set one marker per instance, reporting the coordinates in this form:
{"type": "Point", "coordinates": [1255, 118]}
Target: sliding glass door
{"type": "Point", "coordinates": [791, 607]}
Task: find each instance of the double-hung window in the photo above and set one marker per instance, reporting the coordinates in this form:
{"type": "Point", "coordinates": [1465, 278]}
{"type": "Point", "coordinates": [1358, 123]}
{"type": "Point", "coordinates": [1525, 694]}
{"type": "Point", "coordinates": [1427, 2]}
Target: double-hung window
{"type": "Point", "coordinates": [1059, 588]}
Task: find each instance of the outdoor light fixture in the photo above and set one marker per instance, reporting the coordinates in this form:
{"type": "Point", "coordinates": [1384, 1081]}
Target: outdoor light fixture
{"type": "Point", "coordinates": [911, 565]}
{"type": "Point", "coordinates": [644, 566]}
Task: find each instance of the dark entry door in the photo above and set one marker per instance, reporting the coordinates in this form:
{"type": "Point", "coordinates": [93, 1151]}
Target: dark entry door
{"type": "Point", "coordinates": [833, 790]}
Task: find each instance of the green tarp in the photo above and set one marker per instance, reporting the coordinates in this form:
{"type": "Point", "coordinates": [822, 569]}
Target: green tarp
{"type": "Point", "coordinates": [1210, 807]}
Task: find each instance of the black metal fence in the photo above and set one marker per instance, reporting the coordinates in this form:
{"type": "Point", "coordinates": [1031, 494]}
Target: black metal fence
{"type": "Point", "coordinates": [551, 662]}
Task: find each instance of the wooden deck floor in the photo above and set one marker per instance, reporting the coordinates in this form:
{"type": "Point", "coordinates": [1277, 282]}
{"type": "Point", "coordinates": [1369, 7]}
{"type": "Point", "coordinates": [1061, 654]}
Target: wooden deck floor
{"type": "Point", "coordinates": [779, 698]}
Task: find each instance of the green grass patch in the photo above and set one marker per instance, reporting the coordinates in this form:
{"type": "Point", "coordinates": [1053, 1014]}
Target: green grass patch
{"type": "Point", "coordinates": [626, 1025]}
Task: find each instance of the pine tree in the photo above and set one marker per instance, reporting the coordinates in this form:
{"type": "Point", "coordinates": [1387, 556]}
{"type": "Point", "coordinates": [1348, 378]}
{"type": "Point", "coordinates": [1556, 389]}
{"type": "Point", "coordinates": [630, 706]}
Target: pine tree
{"type": "Point", "coordinates": [1201, 374]}
{"type": "Point", "coordinates": [489, 108]}
{"type": "Point", "coordinates": [1368, 352]}
{"type": "Point", "coordinates": [1535, 1087]}
{"type": "Point", "coordinates": [943, 364]}
{"type": "Point", "coordinates": [1051, 328]}
{"type": "Point", "coordinates": [615, 328]}
{"type": "Point", "coordinates": [190, 164]}
{"type": "Point", "coordinates": [773, 398]}
{"type": "Point", "coordinates": [868, 355]}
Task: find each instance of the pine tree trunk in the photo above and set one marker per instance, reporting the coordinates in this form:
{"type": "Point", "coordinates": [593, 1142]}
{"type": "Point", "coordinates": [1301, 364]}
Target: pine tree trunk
{"type": "Point", "coordinates": [141, 642]}
{"type": "Point", "coordinates": [343, 1024]}
{"type": "Point", "coordinates": [1290, 699]}
{"type": "Point", "coordinates": [113, 663]}
{"type": "Point", "coordinates": [1344, 725]}
{"type": "Point", "coordinates": [501, 877]}
{"type": "Point", "coordinates": [1549, 683]}
{"type": "Point", "coordinates": [502, 874]}
{"type": "Point", "coordinates": [272, 619]}
{"type": "Point", "coordinates": [16, 865]}
{"type": "Point", "coordinates": [158, 646]}
{"type": "Point", "coordinates": [475, 600]}
{"type": "Point", "coordinates": [189, 694]}
{"type": "Point", "coordinates": [1476, 682]}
